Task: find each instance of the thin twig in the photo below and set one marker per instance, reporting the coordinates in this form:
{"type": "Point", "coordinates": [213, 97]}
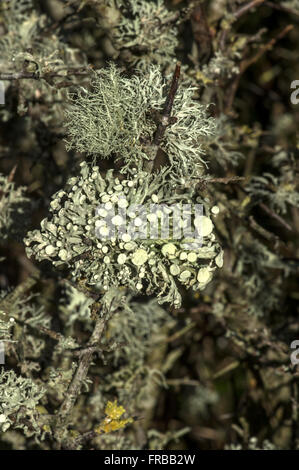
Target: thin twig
{"type": "Point", "coordinates": [277, 6]}
{"type": "Point", "coordinates": [225, 180]}
{"type": "Point", "coordinates": [79, 377]}
{"type": "Point", "coordinates": [237, 15]}
{"type": "Point", "coordinates": [201, 33]}
{"type": "Point", "coordinates": [82, 370]}
{"type": "Point", "coordinates": [275, 216]}
{"type": "Point", "coordinates": [36, 76]}
{"type": "Point", "coordinates": [164, 120]}
{"type": "Point", "coordinates": [245, 8]}
{"type": "Point", "coordinates": [12, 174]}
{"type": "Point", "coordinates": [266, 47]}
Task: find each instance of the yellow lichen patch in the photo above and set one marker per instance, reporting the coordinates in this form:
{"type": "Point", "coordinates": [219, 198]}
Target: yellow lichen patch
{"type": "Point", "coordinates": [112, 421]}
{"type": "Point", "coordinates": [245, 201]}
{"type": "Point", "coordinates": [42, 410]}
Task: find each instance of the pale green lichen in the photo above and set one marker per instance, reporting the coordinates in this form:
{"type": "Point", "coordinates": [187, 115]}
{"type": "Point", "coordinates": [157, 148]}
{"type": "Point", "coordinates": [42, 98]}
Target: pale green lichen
{"type": "Point", "coordinates": [14, 209]}
{"type": "Point", "coordinates": [75, 306]}
{"type": "Point", "coordinates": [18, 400]}
{"type": "Point", "coordinates": [117, 119]}
{"type": "Point", "coordinates": [221, 66]}
{"type": "Point", "coordinates": [24, 48]}
{"type": "Point", "coordinates": [139, 257]}
{"type": "Point", "coordinates": [293, 4]}
{"type": "Point", "coordinates": [278, 190]}
{"type": "Point", "coordinates": [145, 31]}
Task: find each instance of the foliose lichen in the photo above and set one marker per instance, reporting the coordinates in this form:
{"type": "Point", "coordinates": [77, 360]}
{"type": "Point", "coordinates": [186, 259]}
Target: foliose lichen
{"type": "Point", "coordinates": [19, 397]}
{"type": "Point", "coordinates": [128, 248]}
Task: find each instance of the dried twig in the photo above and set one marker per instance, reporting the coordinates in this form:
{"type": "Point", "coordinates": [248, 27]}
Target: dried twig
{"type": "Point", "coordinates": [201, 33]}
{"type": "Point", "coordinates": [165, 119]}
{"type": "Point", "coordinates": [245, 8]}
{"type": "Point", "coordinates": [278, 6]}
{"type": "Point", "coordinates": [237, 15]}
{"type": "Point", "coordinates": [82, 369]}
{"type": "Point", "coordinates": [81, 71]}
{"type": "Point", "coordinates": [80, 375]}
{"type": "Point", "coordinates": [12, 174]}
{"type": "Point", "coordinates": [225, 180]}
{"type": "Point", "coordinates": [275, 216]}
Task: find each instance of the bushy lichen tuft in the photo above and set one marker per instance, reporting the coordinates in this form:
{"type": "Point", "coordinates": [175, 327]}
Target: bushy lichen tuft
{"type": "Point", "coordinates": [14, 209]}
{"type": "Point", "coordinates": [145, 32]}
{"type": "Point", "coordinates": [278, 190]}
{"type": "Point", "coordinates": [23, 48]}
{"type": "Point", "coordinates": [117, 119]}
{"type": "Point", "coordinates": [18, 400]}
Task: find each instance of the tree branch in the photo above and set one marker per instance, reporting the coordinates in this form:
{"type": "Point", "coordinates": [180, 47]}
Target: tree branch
{"type": "Point", "coordinates": [238, 14]}
{"type": "Point", "coordinates": [81, 372]}
{"type": "Point", "coordinates": [84, 365]}
{"type": "Point", "coordinates": [36, 76]}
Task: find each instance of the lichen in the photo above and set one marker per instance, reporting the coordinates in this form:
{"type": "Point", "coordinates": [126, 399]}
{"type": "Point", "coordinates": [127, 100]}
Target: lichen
{"type": "Point", "coordinates": [116, 118]}
{"type": "Point", "coordinates": [18, 399]}
{"type": "Point", "coordinates": [135, 252]}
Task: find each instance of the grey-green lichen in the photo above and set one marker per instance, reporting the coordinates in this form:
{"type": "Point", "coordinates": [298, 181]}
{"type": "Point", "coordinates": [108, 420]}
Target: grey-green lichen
{"type": "Point", "coordinates": [19, 397]}
{"type": "Point", "coordinates": [277, 189]}
{"type": "Point", "coordinates": [117, 119]}
{"type": "Point", "coordinates": [253, 444]}
{"type": "Point", "coordinates": [14, 205]}
{"type": "Point", "coordinates": [144, 31]}
{"type": "Point", "coordinates": [143, 260]}
{"type": "Point", "coordinates": [220, 66]}
{"type": "Point", "coordinates": [294, 4]}
{"type": "Point", "coordinates": [221, 146]}
{"type": "Point", "coordinates": [137, 328]}
{"type": "Point", "coordinates": [23, 48]}
{"type": "Point", "coordinates": [75, 306]}
{"type": "Point", "coordinates": [22, 41]}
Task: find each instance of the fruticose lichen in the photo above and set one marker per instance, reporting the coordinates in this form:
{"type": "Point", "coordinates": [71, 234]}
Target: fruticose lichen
{"type": "Point", "coordinates": [144, 32]}
{"type": "Point", "coordinates": [116, 119]}
{"type": "Point", "coordinates": [14, 205]}
{"type": "Point", "coordinates": [18, 400]}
